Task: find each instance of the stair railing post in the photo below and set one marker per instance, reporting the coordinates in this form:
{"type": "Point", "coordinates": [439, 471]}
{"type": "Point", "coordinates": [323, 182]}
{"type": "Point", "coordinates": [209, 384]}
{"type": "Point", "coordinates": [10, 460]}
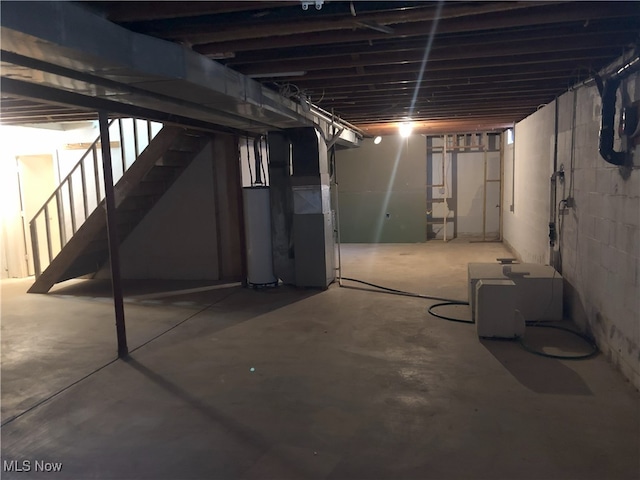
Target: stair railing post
{"type": "Point", "coordinates": [62, 226]}
{"type": "Point", "coordinates": [112, 233]}
{"type": "Point", "coordinates": [96, 174]}
{"type": "Point", "coordinates": [122, 151]}
{"type": "Point", "coordinates": [36, 247]}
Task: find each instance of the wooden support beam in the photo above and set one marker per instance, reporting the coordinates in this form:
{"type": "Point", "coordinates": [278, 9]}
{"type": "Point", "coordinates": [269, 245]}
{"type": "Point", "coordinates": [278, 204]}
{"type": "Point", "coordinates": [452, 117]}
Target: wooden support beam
{"type": "Point", "coordinates": [228, 205]}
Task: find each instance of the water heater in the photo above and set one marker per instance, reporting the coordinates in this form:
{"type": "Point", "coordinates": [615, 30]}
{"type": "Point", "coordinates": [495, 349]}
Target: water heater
{"type": "Point", "coordinates": [257, 226]}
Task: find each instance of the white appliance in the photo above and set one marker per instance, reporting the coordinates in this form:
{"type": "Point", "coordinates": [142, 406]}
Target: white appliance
{"type": "Point", "coordinates": [496, 312]}
{"type": "Point", "coordinates": [537, 288]}
{"type": "Point", "coordinates": [257, 225]}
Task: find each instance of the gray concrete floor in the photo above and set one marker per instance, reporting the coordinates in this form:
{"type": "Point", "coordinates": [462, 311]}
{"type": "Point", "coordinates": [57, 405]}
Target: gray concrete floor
{"type": "Point", "coordinates": [347, 383]}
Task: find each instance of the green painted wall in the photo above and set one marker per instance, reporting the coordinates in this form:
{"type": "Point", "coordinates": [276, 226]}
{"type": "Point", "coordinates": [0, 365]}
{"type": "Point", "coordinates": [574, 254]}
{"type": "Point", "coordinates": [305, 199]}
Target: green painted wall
{"type": "Point", "coordinates": [375, 205]}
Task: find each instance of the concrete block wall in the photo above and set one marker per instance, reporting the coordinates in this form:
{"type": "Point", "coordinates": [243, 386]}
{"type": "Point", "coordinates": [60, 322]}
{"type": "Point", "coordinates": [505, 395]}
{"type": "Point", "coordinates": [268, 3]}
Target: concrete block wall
{"type": "Point", "coordinates": [599, 241]}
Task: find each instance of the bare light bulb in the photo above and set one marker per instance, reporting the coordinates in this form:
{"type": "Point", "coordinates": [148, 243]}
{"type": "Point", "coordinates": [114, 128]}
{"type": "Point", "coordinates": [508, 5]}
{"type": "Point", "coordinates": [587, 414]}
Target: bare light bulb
{"type": "Point", "coordinates": [377, 140]}
{"type": "Point", "coordinates": [405, 129]}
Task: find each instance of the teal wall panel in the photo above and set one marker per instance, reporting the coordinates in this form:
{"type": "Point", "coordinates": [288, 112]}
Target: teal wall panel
{"type": "Point", "coordinates": [382, 191]}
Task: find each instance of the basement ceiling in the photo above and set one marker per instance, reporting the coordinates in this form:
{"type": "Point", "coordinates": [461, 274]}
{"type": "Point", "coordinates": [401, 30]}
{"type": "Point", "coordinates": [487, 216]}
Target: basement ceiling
{"type": "Point", "coordinates": [17, 110]}
{"type": "Point", "coordinates": [488, 64]}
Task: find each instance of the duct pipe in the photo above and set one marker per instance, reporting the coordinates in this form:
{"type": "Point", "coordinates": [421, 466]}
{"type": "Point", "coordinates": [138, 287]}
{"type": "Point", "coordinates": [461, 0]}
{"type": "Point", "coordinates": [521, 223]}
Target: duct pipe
{"type": "Point", "coordinates": [607, 128]}
{"type": "Point", "coordinates": [605, 146]}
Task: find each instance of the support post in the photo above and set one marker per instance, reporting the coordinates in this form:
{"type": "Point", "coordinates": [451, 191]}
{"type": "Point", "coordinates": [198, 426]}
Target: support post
{"type": "Point", "coordinates": [485, 141]}
{"type": "Point", "coordinates": [112, 233]}
{"type": "Point", "coordinates": [227, 188]}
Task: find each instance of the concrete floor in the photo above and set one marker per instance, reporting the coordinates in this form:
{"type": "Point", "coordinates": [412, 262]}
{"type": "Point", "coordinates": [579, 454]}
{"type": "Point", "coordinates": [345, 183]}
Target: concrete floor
{"type": "Point", "coordinates": [347, 383]}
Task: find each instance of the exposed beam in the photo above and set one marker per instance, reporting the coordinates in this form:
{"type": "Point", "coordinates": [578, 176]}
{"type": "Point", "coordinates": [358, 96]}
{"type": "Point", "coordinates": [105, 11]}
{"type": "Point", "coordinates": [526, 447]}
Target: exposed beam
{"type": "Point", "coordinates": [459, 110]}
{"type": "Point", "coordinates": [565, 61]}
{"type": "Point", "coordinates": [582, 44]}
{"type": "Point", "coordinates": [314, 58]}
{"type": "Point", "coordinates": [464, 77]}
{"type": "Point", "coordinates": [133, 11]}
{"type": "Point", "coordinates": [426, 93]}
{"type": "Point", "coordinates": [62, 97]}
{"type": "Point", "coordinates": [441, 126]}
{"type": "Point", "coordinates": [441, 101]}
{"type": "Point", "coordinates": [398, 89]}
{"type": "Point", "coordinates": [199, 31]}
{"type": "Point", "coordinates": [482, 119]}
{"type": "Point", "coordinates": [550, 14]}
{"type": "Point", "coordinates": [614, 26]}
{"type": "Point", "coordinates": [479, 119]}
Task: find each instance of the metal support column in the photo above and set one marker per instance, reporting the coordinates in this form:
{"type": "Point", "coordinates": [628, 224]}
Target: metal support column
{"type": "Point", "coordinates": [112, 233]}
{"type": "Point", "coordinates": [485, 149]}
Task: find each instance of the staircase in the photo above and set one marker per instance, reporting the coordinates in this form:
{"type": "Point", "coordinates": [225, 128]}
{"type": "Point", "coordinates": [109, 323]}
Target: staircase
{"type": "Point", "coordinates": [69, 237]}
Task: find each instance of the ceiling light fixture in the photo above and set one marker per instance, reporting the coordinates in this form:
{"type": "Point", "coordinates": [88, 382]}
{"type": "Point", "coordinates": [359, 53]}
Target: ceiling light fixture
{"type": "Point", "coordinates": [405, 129]}
{"type": "Point", "coordinates": [377, 140]}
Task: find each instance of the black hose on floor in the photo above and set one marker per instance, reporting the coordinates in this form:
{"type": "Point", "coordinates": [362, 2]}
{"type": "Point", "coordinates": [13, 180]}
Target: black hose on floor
{"type": "Point", "coordinates": [592, 345]}
{"type": "Point", "coordinates": [399, 292]}
{"type": "Point", "coordinates": [447, 302]}
{"type": "Point", "coordinates": [444, 317]}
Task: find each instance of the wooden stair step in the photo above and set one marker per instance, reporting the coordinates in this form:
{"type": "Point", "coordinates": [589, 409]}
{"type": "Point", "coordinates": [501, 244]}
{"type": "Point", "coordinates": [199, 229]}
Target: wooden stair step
{"type": "Point", "coordinates": [187, 143]}
{"type": "Point", "coordinates": [175, 158]}
{"type": "Point", "coordinates": [162, 173]}
{"type": "Point", "coordinates": [149, 188]}
{"type": "Point", "coordinates": [133, 204]}
{"type": "Point", "coordinates": [139, 190]}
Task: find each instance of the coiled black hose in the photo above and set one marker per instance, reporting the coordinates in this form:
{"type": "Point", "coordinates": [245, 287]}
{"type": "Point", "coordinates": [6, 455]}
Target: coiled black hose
{"type": "Point", "coordinates": [446, 302]}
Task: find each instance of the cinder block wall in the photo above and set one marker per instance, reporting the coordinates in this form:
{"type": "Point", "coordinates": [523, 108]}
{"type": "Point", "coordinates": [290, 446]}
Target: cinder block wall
{"type": "Point", "coordinates": [600, 237]}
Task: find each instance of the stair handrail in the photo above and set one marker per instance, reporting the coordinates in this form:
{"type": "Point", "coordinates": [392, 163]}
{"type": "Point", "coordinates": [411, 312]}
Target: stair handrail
{"type": "Point", "coordinates": [71, 172]}
{"type": "Point", "coordinates": [67, 183]}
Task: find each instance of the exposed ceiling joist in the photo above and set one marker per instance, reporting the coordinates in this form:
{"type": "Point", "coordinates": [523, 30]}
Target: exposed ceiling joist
{"type": "Point", "coordinates": [490, 63]}
{"type": "Point", "coordinates": [541, 15]}
{"type": "Point", "coordinates": [207, 30]}
{"type": "Point", "coordinates": [581, 45]}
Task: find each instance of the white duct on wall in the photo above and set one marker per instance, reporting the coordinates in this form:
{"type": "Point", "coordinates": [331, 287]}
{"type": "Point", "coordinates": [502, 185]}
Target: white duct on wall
{"type": "Point", "coordinates": [257, 225]}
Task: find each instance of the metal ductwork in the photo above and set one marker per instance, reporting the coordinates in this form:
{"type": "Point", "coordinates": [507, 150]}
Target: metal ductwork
{"type": "Point", "coordinates": [312, 220]}
{"type": "Point", "coordinates": [68, 49]}
{"type": "Point", "coordinates": [281, 199]}
{"type": "Point", "coordinates": [303, 230]}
